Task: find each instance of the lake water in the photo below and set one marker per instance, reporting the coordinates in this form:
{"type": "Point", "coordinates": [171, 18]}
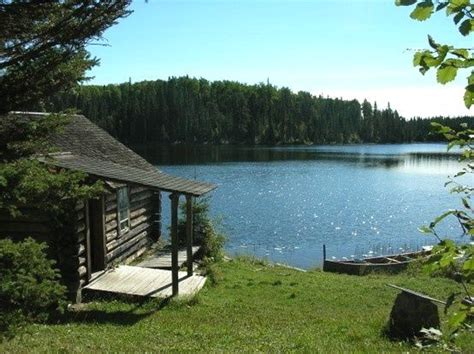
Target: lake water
{"type": "Point", "coordinates": [284, 203]}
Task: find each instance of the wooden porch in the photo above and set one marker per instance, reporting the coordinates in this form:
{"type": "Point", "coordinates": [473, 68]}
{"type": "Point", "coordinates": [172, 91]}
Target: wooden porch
{"type": "Point", "coordinates": [139, 281]}
{"type": "Point", "coordinates": [174, 197]}
{"type": "Point", "coordinates": [161, 259]}
{"type": "Point", "coordinates": [147, 279]}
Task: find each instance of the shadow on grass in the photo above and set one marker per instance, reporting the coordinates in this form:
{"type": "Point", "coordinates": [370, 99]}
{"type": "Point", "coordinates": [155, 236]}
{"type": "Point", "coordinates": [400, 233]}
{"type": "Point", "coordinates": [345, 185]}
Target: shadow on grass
{"type": "Point", "coordinates": [103, 309]}
{"type": "Point", "coordinates": [122, 318]}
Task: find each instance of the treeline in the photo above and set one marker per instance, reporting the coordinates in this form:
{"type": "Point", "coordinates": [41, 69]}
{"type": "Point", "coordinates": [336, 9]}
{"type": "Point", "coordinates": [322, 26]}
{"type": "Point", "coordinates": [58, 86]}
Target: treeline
{"type": "Point", "coordinates": [195, 110]}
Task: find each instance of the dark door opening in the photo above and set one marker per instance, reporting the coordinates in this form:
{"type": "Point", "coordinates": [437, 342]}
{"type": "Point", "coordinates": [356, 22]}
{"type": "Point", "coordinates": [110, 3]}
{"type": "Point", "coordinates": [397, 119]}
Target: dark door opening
{"type": "Point", "coordinates": [96, 236]}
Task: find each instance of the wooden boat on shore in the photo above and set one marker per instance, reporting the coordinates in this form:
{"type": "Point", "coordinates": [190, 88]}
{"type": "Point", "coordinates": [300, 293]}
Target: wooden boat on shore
{"type": "Point", "coordinates": [389, 264]}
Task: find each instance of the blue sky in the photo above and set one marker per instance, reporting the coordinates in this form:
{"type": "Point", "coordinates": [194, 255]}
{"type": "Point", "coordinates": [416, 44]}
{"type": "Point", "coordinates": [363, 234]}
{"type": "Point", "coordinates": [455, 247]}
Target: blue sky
{"type": "Point", "coordinates": [337, 48]}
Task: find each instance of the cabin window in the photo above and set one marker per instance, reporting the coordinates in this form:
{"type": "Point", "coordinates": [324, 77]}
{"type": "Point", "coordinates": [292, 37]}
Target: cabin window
{"type": "Point", "coordinates": [123, 205]}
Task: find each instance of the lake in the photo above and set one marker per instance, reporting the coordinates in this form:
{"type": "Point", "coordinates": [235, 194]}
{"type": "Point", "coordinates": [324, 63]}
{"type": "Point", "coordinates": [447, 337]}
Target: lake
{"type": "Point", "coordinates": [284, 203]}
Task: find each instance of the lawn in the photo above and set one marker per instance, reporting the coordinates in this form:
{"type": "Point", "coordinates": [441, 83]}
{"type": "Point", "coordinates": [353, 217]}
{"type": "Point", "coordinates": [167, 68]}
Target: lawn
{"type": "Point", "coordinates": [253, 307]}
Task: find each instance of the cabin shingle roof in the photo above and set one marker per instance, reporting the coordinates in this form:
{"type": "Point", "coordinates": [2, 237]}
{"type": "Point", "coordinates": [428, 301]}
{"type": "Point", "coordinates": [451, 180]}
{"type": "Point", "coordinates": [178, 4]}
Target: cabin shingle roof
{"type": "Point", "coordinates": [116, 172]}
{"type": "Point", "coordinates": [81, 137]}
{"type": "Point", "coordinates": [83, 146]}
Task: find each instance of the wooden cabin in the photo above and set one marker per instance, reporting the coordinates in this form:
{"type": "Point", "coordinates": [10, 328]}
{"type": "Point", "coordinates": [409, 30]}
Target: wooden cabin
{"type": "Point", "coordinates": [123, 222]}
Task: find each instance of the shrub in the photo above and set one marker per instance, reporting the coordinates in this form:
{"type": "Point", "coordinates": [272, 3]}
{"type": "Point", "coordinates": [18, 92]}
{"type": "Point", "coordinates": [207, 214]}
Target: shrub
{"type": "Point", "coordinates": [206, 233]}
{"type": "Point", "coordinates": [212, 242]}
{"type": "Point", "coordinates": [29, 285]}
{"type": "Point", "coordinates": [212, 271]}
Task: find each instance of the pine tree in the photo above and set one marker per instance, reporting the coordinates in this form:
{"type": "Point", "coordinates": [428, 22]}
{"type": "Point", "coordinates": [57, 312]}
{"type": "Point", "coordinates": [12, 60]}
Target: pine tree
{"type": "Point", "coordinates": [43, 46]}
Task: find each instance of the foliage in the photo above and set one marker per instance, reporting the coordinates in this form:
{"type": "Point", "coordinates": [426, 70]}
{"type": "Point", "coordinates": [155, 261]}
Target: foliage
{"type": "Point", "coordinates": [25, 181]}
{"type": "Point", "coordinates": [254, 308]}
{"type": "Point", "coordinates": [449, 258]}
{"type": "Point", "coordinates": [204, 230]}
{"type": "Point", "coordinates": [29, 285]}
{"type": "Point", "coordinates": [28, 182]}
{"type": "Point", "coordinates": [211, 269]}
{"type": "Point", "coordinates": [457, 261]}
{"type": "Point", "coordinates": [446, 59]}
{"type": "Point", "coordinates": [21, 136]}
{"type": "Point", "coordinates": [42, 53]}
{"type": "Point", "coordinates": [198, 111]}
{"type": "Point", "coordinates": [28, 185]}
{"type": "Point", "coordinates": [43, 46]}
{"type": "Point", "coordinates": [213, 242]}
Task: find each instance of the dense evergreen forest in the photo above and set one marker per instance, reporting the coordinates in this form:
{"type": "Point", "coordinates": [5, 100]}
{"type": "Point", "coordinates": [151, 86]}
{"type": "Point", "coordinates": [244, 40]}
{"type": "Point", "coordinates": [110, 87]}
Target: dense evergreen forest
{"type": "Point", "coordinates": [195, 110]}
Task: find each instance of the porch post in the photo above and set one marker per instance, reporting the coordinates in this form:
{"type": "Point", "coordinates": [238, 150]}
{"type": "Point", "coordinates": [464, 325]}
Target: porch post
{"type": "Point", "coordinates": [189, 233]}
{"type": "Point", "coordinates": [174, 243]}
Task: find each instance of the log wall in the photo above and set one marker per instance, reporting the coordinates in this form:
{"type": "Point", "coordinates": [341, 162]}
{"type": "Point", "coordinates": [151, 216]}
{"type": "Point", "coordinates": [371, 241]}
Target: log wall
{"type": "Point", "coordinates": [71, 250]}
{"type": "Point", "coordinates": [144, 212]}
{"type": "Point", "coordinates": [72, 254]}
{"type": "Point", "coordinates": [32, 223]}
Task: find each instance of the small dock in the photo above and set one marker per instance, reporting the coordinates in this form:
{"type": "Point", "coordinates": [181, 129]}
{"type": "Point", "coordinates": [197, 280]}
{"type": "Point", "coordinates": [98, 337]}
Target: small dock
{"type": "Point", "coordinates": [140, 281]}
{"type": "Point", "coordinates": [161, 259]}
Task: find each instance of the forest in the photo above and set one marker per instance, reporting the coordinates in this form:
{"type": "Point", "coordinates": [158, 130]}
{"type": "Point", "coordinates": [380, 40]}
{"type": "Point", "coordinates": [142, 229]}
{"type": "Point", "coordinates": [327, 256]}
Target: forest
{"type": "Point", "coordinates": [190, 110]}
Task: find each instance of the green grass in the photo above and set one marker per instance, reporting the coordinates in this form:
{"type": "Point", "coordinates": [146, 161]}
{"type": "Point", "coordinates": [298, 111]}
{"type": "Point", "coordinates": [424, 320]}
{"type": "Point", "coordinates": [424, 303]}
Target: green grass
{"type": "Point", "coordinates": [253, 307]}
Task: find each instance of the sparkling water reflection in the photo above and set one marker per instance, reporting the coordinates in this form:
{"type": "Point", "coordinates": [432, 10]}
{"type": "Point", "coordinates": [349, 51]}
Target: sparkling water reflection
{"type": "Point", "coordinates": [284, 203]}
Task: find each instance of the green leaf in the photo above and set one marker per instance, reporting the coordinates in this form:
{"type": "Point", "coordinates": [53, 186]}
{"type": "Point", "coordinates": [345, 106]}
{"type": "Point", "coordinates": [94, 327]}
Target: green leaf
{"type": "Point", "coordinates": [425, 230]}
{"type": "Point", "coordinates": [458, 17]}
{"type": "Point", "coordinates": [423, 70]}
{"type": "Point", "coordinates": [470, 80]}
{"type": "Point", "coordinates": [446, 73]}
{"type": "Point", "coordinates": [457, 63]}
{"type": "Point", "coordinates": [449, 136]}
{"type": "Point", "coordinates": [461, 53]}
{"type": "Point", "coordinates": [453, 143]}
{"type": "Point", "coordinates": [456, 6]}
{"type": "Point", "coordinates": [449, 244]}
{"type": "Point", "coordinates": [432, 42]}
{"type": "Point", "coordinates": [429, 60]}
{"type": "Point", "coordinates": [404, 2]}
{"type": "Point", "coordinates": [440, 218]}
{"type": "Point", "coordinates": [446, 261]}
{"type": "Point", "coordinates": [440, 128]}
{"type": "Point", "coordinates": [469, 96]}
{"type": "Point", "coordinates": [459, 3]}
{"type": "Point", "coordinates": [422, 11]}
{"type": "Point", "coordinates": [417, 58]}
{"type": "Point", "coordinates": [465, 202]}
{"type": "Point", "coordinates": [441, 6]}
{"type": "Point", "coordinates": [466, 27]}
{"type": "Point", "coordinates": [468, 265]}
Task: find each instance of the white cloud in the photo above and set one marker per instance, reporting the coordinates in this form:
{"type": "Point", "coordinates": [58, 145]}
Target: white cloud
{"type": "Point", "coordinates": [411, 101]}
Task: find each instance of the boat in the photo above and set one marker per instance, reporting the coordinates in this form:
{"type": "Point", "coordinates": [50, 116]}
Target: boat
{"type": "Point", "coordinates": [389, 264]}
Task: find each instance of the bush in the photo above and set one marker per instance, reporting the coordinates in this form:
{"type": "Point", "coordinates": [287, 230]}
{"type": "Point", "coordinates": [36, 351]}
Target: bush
{"type": "Point", "coordinates": [206, 233]}
{"type": "Point", "coordinates": [212, 271]}
{"type": "Point", "coordinates": [29, 285]}
{"type": "Point", "coordinates": [212, 242]}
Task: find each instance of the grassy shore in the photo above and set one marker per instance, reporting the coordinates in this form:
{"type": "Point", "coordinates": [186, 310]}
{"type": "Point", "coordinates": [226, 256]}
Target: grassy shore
{"type": "Point", "coordinates": [253, 307]}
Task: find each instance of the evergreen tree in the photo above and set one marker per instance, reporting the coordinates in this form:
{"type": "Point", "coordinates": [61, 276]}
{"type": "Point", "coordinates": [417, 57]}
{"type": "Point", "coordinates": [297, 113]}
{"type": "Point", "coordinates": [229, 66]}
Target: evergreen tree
{"type": "Point", "coordinates": [195, 110]}
{"type": "Point", "coordinates": [43, 46]}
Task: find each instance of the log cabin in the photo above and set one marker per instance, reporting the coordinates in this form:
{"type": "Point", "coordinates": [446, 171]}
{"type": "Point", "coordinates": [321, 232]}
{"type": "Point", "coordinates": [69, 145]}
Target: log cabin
{"type": "Point", "coordinates": [123, 222]}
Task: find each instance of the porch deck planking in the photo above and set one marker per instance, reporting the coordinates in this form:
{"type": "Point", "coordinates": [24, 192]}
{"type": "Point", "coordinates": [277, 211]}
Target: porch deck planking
{"type": "Point", "coordinates": [138, 281]}
{"type": "Point", "coordinates": [162, 258]}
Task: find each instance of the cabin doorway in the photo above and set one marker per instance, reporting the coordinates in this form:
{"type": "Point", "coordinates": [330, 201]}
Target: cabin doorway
{"type": "Point", "coordinates": [96, 260]}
